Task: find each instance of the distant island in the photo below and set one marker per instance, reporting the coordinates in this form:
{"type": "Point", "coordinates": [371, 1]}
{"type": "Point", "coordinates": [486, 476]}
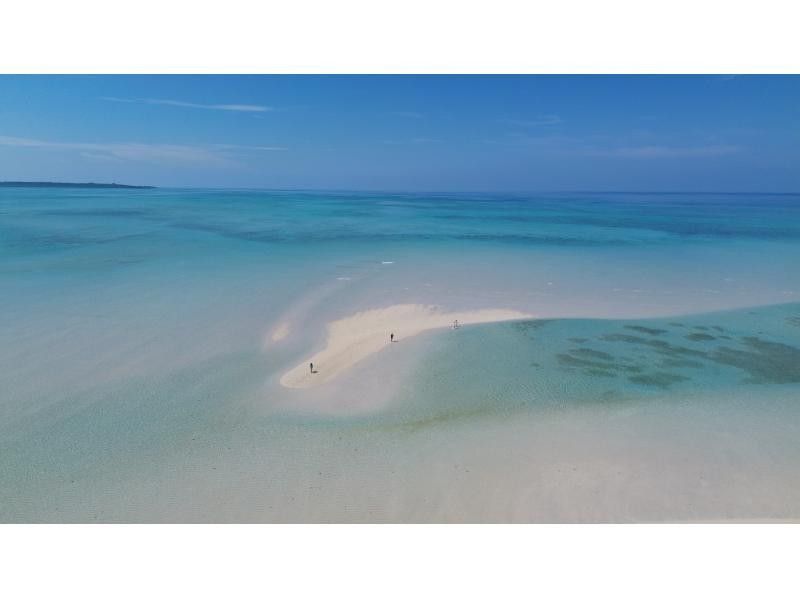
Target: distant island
{"type": "Point", "coordinates": [72, 185]}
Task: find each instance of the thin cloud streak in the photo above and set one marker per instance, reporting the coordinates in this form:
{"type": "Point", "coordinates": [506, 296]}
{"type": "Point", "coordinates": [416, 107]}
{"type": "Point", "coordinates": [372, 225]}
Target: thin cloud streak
{"type": "Point", "coordinates": [214, 155]}
{"type": "Point", "coordinates": [540, 121]}
{"type": "Point", "coordinates": [609, 148]}
{"type": "Point", "coordinates": [180, 104]}
{"type": "Point", "coordinates": [412, 141]}
{"type": "Point", "coordinates": [662, 151]}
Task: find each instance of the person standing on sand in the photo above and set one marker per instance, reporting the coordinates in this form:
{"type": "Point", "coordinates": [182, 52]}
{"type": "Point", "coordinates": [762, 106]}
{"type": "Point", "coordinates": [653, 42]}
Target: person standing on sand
{"type": "Point", "coordinates": [391, 337]}
{"type": "Point", "coordinates": [311, 367]}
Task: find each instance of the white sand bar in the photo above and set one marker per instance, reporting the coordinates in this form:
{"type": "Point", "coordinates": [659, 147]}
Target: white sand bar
{"type": "Point", "coordinates": [356, 337]}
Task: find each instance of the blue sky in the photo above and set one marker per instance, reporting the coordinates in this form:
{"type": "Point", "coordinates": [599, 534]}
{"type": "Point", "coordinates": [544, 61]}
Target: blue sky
{"type": "Point", "coordinates": [505, 133]}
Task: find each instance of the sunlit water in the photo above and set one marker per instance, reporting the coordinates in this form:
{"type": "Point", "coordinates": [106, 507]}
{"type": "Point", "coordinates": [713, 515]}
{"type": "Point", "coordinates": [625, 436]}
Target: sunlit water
{"type": "Point", "coordinates": [139, 380]}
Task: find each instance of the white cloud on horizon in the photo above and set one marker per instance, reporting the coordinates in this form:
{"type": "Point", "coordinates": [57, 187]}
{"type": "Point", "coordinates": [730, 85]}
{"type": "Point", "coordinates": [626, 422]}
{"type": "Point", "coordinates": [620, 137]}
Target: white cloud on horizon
{"type": "Point", "coordinates": [181, 104]}
{"type": "Point", "coordinates": [213, 154]}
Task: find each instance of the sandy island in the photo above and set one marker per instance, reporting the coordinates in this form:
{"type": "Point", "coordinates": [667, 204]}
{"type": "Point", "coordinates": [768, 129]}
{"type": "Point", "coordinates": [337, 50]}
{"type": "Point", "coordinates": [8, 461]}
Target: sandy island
{"type": "Point", "coordinates": [356, 337]}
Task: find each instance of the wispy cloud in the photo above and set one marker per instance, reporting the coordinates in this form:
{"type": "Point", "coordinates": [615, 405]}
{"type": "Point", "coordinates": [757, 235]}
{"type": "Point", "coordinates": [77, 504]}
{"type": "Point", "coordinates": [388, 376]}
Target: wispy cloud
{"type": "Point", "coordinates": [212, 154]}
{"type": "Point", "coordinates": [411, 141]}
{"type": "Point", "coordinates": [180, 104]}
{"type": "Point", "coordinates": [663, 151]}
{"type": "Point", "coordinates": [540, 121]}
{"type": "Point", "coordinates": [605, 147]}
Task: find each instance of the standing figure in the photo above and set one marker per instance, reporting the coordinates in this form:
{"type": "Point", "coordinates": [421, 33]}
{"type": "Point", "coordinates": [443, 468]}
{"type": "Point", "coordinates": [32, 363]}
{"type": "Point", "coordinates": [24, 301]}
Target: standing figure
{"type": "Point", "coordinates": [391, 337]}
{"type": "Point", "coordinates": [311, 367]}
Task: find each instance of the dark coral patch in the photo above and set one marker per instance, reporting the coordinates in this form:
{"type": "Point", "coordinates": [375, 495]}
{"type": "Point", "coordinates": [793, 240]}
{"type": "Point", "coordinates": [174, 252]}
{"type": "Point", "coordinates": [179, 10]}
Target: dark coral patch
{"type": "Point", "coordinates": [681, 363]}
{"type": "Point", "coordinates": [659, 379]}
{"type": "Point", "coordinates": [600, 373]}
{"type": "Point", "coordinates": [647, 330]}
{"type": "Point", "coordinates": [661, 347]}
{"type": "Point", "coordinates": [700, 336]}
{"type": "Point", "coordinates": [767, 362]}
{"type": "Point", "coordinates": [566, 360]}
{"type": "Point", "coordinates": [592, 354]}
{"type": "Point", "coordinates": [526, 326]}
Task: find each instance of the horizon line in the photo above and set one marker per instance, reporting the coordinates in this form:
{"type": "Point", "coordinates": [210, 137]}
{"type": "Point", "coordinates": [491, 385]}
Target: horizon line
{"type": "Point", "coordinates": [432, 191]}
{"type": "Point", "coordinates": [464, 191]}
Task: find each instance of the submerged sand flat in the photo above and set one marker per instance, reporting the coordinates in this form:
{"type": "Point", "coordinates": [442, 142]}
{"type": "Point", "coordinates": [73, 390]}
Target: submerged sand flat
{"type": "Point", "coordinates": [356, 337]}
{"type": "Point", "coordinates": [149, 392]}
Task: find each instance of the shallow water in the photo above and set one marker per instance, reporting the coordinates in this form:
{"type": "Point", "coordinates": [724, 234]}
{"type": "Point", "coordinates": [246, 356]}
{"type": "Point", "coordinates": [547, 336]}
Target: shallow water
{"type": "Point", "coordinates": [138, 378]}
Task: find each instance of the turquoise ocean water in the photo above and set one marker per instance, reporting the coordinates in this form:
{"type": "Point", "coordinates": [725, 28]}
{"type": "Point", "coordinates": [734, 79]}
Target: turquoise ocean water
{"type": "Point", "coordinates": [138, 379]}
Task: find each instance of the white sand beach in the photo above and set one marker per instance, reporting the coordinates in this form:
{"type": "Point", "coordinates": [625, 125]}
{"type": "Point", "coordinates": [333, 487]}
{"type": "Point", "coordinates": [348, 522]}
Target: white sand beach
{"type": "Point", "coordinates": [356, 337]}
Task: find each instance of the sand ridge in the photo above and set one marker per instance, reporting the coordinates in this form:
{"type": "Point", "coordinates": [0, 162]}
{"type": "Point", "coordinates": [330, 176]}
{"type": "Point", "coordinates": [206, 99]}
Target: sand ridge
{"type": "Point", "coordinates": [356, 337]}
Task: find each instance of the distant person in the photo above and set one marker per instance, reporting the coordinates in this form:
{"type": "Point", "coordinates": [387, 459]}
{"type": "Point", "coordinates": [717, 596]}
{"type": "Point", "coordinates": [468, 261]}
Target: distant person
{"type": "Point", "coordinates": [311, 367]}
{"type": "Point", "coordinates": [391, 337]}
{"type": "Point", "coordinates": [455, 324]}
